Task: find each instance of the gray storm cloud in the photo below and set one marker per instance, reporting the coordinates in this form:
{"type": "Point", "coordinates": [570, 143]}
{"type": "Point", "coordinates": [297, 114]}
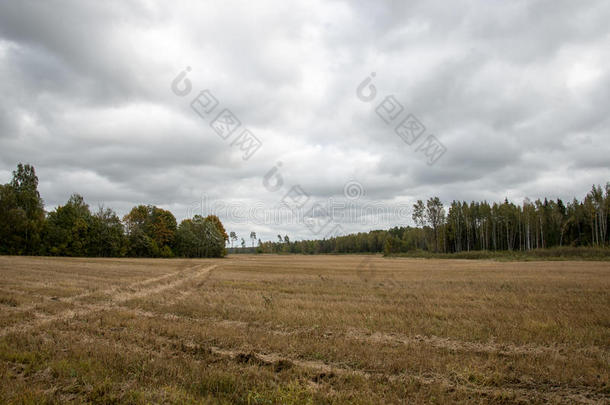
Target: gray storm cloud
{"type": "Point", "coordinates": [517, 92]}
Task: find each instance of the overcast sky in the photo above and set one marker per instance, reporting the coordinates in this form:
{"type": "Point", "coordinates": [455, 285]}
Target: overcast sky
{"type": "Point", "coordinates": [515, 93]}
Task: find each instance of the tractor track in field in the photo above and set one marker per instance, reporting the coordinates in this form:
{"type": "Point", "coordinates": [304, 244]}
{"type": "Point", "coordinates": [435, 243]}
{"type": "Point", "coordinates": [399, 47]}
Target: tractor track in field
{"type": "Point", "coordinates": [526, 392]}
{"type": "Point", "coordinates": [437, 342]}
{"type": "Point", "coordinates": [108, 291]}
{"type": "Point", "coordinates": [323, 372]}
{"type": "Point", "coordinates": [116, 297]}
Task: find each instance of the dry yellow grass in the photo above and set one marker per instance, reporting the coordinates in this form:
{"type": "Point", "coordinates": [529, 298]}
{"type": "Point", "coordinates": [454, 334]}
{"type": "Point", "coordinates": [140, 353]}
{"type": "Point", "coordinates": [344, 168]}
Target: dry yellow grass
{"type": "Point", "coordinates": [303, 329]}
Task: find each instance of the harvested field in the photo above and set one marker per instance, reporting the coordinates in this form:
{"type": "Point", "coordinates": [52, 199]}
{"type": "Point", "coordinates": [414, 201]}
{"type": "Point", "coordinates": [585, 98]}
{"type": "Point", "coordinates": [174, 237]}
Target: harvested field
{"type": "Point", "coordinates": [303, 329]}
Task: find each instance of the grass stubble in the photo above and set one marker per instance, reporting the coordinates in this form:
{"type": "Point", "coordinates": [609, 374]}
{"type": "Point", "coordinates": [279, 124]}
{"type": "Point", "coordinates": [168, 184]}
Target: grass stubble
{"type": "Point", "coordinates": [303, 329]}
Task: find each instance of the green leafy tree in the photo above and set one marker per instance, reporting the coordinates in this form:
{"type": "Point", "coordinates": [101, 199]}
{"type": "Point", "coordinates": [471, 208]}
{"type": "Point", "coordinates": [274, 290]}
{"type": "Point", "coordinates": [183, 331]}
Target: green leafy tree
{"type": "Point", "coordinates": [435, 215]}
{"type": "Point", "coordinates": [199, 237]}
{"type": "Point", "coordinates": [218, 224]}
{"type": "Point", "coordinates": [106, 236]}
{"type": "Point", "coordinates": [21, 213]}
{"type": "Point", "coordinates": [150, 231]}
{"type": "Point", "coordinates": [68, 229]}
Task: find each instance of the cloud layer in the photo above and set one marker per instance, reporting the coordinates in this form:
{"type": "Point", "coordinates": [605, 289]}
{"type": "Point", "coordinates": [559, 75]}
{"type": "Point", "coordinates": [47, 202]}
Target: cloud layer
{"type": "Point", "coordinates": [517, 92]}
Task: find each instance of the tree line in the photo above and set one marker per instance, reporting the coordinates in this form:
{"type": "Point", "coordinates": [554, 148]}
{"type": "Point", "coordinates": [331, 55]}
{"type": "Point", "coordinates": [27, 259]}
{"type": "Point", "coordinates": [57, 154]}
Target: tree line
{"type": "Point", "coordinates": [507, 226]}
{"type": "Point", "coordinates": [476, 226]}
{"type": "Point", "coordinates": [149, 231]}
{"type": "Point", "coordinates": [73, 229]}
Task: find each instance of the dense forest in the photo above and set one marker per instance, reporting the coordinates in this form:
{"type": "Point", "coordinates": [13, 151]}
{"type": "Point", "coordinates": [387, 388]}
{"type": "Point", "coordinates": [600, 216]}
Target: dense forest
{"type": "Point", "coordinates": [148, 231]}
{"type": "Point", "coordinates": [477, 226]}
{"type": "Point", "coordinates": [73, 230]}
